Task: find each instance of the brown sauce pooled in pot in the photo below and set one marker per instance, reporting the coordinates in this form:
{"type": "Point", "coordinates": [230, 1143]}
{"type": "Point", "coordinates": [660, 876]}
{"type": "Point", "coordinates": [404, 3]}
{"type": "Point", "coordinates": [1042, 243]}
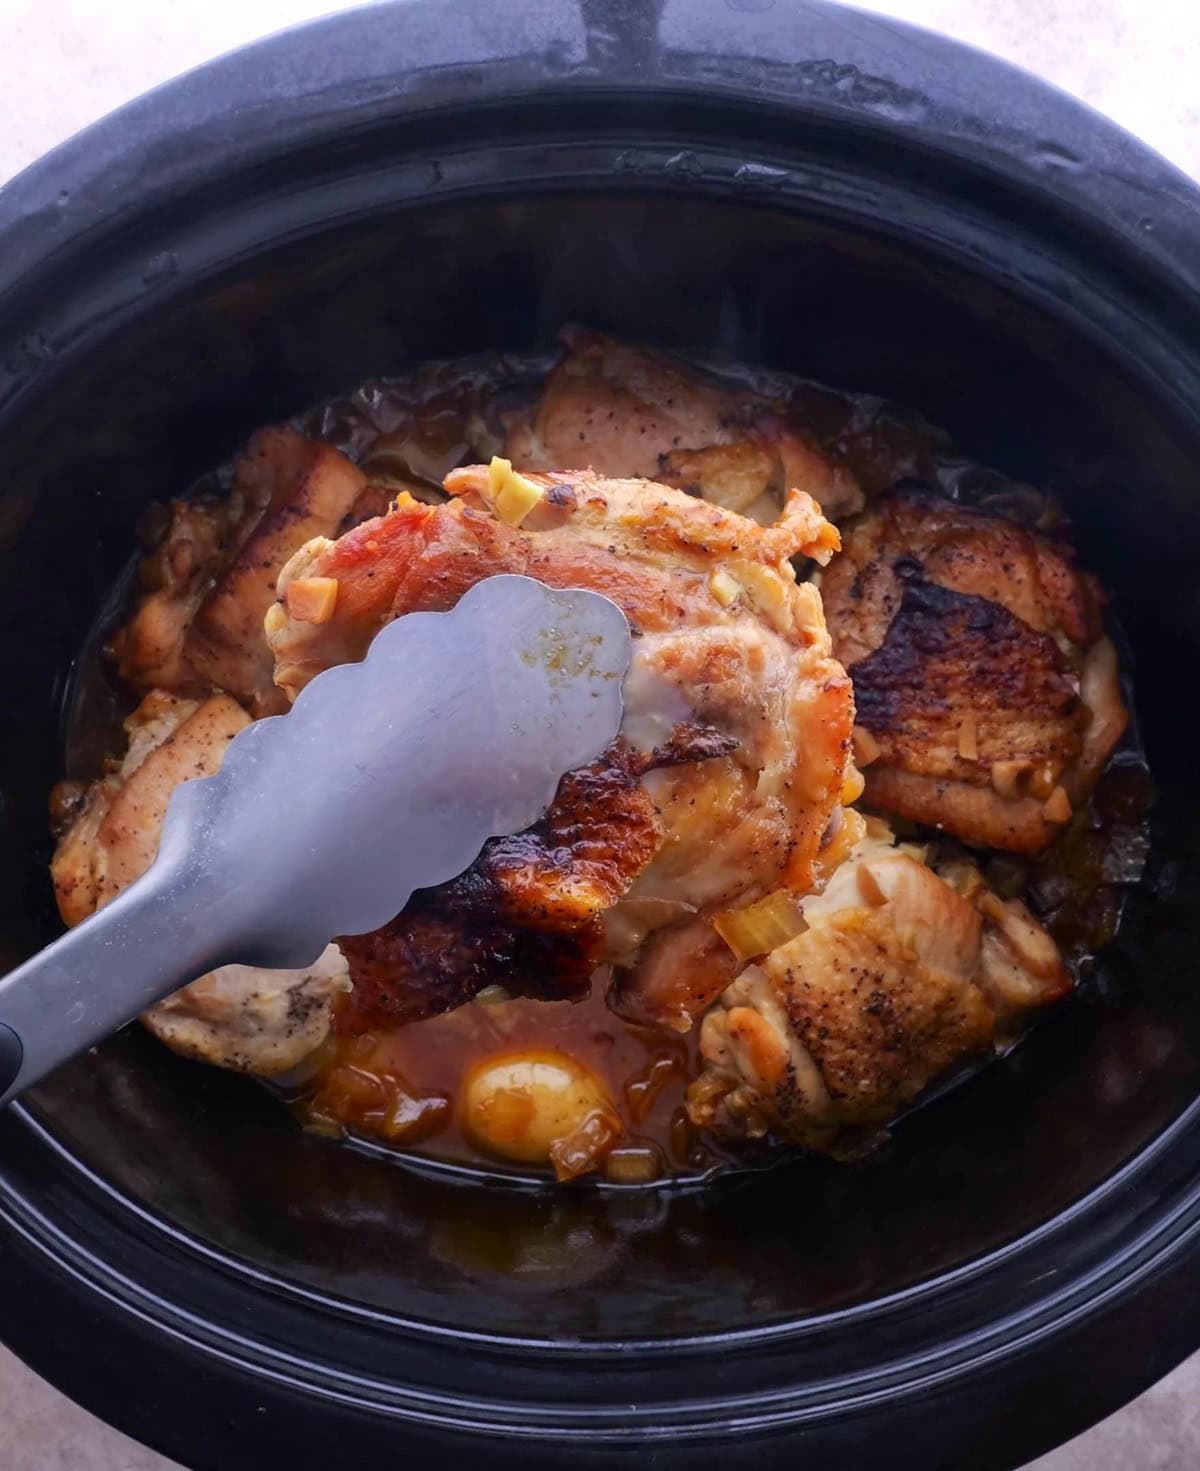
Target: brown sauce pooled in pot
{"type": "Point", "coordinates": [424, 1088]}
{"type": "Point", "coordinates": [405, 1086]}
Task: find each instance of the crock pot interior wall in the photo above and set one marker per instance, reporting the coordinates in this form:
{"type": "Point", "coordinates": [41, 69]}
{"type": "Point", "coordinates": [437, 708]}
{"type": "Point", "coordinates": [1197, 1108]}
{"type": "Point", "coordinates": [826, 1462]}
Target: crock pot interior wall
{"type": "Point", "coordinates": [140, 412]}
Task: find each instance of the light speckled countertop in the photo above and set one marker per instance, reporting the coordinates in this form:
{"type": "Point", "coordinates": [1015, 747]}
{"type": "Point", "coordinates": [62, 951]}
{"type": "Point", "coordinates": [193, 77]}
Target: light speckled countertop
{"type": "Point", "coordinates": [1137, 60]}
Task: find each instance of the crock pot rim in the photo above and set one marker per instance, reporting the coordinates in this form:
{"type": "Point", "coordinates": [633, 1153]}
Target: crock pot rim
{"type": "Point", "coordinates": [339, 73]}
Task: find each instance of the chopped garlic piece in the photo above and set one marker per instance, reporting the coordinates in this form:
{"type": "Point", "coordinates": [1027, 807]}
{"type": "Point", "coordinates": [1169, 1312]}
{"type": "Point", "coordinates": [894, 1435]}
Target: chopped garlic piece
{"type": "Point", "coordinates": [724, 587]}
{"type": "Point", "coordinates": [312, 599]}
{"type": "Point", "coordinates": [512, 494]}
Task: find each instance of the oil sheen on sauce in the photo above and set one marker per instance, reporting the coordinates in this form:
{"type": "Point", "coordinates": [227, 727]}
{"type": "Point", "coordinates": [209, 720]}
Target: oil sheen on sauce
{"type": "Point", "coordinates": [403, 1086]}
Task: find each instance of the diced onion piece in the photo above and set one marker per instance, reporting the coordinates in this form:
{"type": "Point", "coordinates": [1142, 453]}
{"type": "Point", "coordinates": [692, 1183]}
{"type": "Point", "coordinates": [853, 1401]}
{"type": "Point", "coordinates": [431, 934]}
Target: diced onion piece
{"type": "Point", "coordinates": [866, 747]}
{"type": "Point", "coordinates": [312, 599]}
{"type": "Point", "coordinates": [763, 926]}
{"type": "Point", "coordinates": [412, 1117]}
{"type": "Point", "coordinates": [1057, 807]}
{"type": "Point", "coordinates": [633, 1164]}
{"type": "Point", "coordinates": [584, 1148]}
{"type": "Point", "coordinates": [968, 739]}
{"type": "Point", "coordinates": [512, 494]}
{"type": "Point", "coordinates": [275, 620]}
{"type": "Point", "coordinates": [359, 1098]}
{"type": "Point", "coordinates": [724, 587]}
{"type": "Point", "coordinates": [853, 786]}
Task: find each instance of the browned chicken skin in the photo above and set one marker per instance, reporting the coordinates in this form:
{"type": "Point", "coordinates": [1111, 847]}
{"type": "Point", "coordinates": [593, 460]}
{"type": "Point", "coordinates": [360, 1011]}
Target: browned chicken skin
{"type": "Point", "coordinates": [987, 697]}
{"type": "Point", "coordinates": [241, 1017]}
{"type": "Point", "coordinates": [209, 583]}
{"type": "Point", "coordinates": [899, 977]}
{"type": "Point", "coordinates": [737, 717]}
{"type": "Point", "coordinates": [529, 914]}
{"type": "Point", "coordinates": [114, 835]}
{"type": "Point", "coordinates": [627, 410]}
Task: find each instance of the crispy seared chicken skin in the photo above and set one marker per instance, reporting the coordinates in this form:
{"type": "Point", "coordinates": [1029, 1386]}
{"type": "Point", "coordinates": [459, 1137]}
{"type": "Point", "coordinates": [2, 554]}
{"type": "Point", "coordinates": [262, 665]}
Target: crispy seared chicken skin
{"type": "Point", "coordinates": [209, 582]}
{"type": "Point", "coordinates": [626, 410]}
{"type": "Point", "coordinates": [733, 754]}
{"type": "Point", "coordinates": [241, 1017]}
{"type": "Point", "coordinates": [899, 977]}
{"type": "Point", "coordinates": [988, 698]}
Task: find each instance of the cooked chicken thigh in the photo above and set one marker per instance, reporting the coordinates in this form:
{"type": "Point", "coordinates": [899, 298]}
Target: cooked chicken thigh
{"type": "Point", "coordinates": [211, 579]}
{"type": "Point", "coordinates": [627, 410]}
{"type": "Point", "coordinates": [254, 1020]}
{"type": "Point", "coordinates": [734, 748]}
{"type": "Point", "coordinates": [114, 835]}
{"type": "Point", "coordinates": [898, 978]}
{"type": "Point", "coordinates": [988, 699]}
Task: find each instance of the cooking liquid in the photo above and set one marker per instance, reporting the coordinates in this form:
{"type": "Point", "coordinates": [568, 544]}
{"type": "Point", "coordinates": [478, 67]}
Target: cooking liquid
{"type": "Point", "coordinates": [402, 1087]}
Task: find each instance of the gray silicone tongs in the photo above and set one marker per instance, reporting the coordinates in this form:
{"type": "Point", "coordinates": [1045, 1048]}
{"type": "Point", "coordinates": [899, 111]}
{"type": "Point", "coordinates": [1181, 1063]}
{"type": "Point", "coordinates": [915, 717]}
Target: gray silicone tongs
{"type": "Point", "coordinates": [385, 777]}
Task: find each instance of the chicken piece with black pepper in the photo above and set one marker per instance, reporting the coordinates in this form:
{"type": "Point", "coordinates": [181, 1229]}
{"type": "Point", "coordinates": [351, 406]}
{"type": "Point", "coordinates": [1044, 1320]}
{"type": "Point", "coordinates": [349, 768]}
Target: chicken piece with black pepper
{"type": "Point", "coordinates": [988, 697]}
{"type": "Point", "coordinates": [732, 759]}
{"type": "Point", "coordinates": [626, 410]}
{"type": "Point", "coordinates": [209, 576]}
{"type": "Point", "coordinates": [896, 978]}
{"type": "Point", "coordinates": [240, 1017]}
